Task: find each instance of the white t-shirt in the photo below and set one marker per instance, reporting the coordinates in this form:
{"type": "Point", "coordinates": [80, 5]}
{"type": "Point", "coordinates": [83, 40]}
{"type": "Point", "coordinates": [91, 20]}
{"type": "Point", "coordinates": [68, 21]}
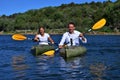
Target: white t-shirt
{"type": "Point", "coordinates": [66, 38]}
{"type": "Point", "coordinates": [43, 40]}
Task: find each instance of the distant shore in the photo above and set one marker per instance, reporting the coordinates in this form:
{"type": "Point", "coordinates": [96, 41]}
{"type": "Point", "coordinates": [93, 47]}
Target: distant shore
{"type": "Point", "coordinates": [104, 33]}
{"type": "Point", "coordinates": [33, 33]}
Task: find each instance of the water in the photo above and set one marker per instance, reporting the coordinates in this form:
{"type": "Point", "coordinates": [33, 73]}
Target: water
{"type": "Point", "coordinates": [101, 62]}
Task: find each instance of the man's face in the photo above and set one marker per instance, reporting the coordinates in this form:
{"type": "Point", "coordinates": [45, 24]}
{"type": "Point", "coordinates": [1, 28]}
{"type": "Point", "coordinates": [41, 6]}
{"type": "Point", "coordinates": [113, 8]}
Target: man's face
{"type": "Point", "coordinates": [71, 28]}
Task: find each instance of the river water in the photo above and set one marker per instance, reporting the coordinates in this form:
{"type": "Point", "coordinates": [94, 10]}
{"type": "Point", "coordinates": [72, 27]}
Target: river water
{"type": "Point", "coordinates": [101, 62]}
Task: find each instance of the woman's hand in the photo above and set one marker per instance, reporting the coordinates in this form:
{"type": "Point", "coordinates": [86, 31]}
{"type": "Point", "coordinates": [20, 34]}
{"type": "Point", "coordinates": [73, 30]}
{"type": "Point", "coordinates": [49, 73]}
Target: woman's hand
{"type": "Point", "coordinates": [36, 39]}
{"type": "Point", "coordinates": [52, 42]}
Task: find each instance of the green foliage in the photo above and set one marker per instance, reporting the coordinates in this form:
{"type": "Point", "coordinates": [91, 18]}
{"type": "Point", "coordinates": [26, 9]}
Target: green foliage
{"type": "Point", "coordinates": [83, 15]}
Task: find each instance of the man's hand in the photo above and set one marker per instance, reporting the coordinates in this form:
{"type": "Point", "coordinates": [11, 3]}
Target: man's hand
{"type": "Point", "coordinates": [60, 46]}
{"type": "Point", "coordinates": [82, 36]}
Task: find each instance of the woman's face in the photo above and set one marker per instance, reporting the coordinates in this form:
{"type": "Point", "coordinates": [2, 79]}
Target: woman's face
{"type": "Point", "coordinates": [71, 28]}
{"type": "Point", "coordinates": [42, 31]}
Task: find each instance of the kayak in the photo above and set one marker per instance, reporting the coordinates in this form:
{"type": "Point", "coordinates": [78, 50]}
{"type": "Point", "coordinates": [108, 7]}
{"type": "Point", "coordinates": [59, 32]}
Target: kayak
{"type": "Point", "coordinates": [66, 52]}
{"type": "Point", "coordinates": [42, 49]}
{"type": "Point", "coordinates": [72, 51]}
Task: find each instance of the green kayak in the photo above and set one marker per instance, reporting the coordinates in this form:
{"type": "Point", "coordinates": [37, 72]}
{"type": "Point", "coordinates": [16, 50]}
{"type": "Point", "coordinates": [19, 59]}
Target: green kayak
{"type": "Point", "coordinates": [72, 51]}
{"type": "Point", "coordinates": [42, 49]}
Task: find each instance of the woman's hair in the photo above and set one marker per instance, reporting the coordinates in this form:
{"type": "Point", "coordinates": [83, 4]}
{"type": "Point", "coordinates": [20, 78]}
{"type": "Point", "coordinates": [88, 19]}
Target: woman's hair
{"type": "Point", "coordinates": [40, 28]}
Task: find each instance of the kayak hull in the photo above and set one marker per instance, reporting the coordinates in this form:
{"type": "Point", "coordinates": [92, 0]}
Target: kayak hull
{"type": "Point", "coordinates": [40, 49]}
{"type": "Point", "coordinates": [72, 51]}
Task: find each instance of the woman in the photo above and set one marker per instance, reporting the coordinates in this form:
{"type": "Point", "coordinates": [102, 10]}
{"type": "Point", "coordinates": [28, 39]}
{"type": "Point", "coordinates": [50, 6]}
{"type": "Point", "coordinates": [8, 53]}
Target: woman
{"type": "Point", "coordinates": [43, 37]}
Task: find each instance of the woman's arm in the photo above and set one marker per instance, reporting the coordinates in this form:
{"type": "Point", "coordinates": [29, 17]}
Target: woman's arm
{"type": "Point", "coordinates": [36, 38]}
{"type": "Point", "coordinates": [51, 40]}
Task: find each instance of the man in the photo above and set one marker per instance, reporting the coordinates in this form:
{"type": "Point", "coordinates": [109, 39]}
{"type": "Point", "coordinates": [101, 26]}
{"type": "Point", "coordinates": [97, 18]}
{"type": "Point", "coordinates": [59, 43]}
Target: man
{"type": "Point", "coordinates": [71, 38]}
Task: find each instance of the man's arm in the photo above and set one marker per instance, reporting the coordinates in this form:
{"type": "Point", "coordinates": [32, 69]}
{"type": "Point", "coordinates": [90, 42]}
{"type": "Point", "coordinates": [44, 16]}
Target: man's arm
{"type": "Point", "coordinates": [82, 38]}
{"type": "Point", "coordinates": [62, 41]}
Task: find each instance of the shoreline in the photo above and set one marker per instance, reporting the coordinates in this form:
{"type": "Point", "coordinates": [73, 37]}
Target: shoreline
{"type": "Point", "coordinates": [91, 33]}
{"type": "Point", "coordinates": [104, 33]}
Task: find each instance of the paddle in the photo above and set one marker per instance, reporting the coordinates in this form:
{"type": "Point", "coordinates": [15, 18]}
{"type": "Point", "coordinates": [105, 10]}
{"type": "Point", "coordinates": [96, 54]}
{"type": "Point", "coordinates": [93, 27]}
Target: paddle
{"type": "Point", "coordinates": [49, 53]}
{"type": "Point", "coordinates": [98, 25]}
{"type": "Point", "coordinates": [20, 37]}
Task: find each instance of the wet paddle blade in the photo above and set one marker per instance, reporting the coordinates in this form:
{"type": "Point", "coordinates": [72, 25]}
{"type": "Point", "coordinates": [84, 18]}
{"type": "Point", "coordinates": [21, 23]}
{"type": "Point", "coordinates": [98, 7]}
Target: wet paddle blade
{"type": "Point", "coordinates": [19, 37]}
{"type": "Point", "coordinates": [99, 24]}
{"type": "Point", "coordinates": [49, 53]}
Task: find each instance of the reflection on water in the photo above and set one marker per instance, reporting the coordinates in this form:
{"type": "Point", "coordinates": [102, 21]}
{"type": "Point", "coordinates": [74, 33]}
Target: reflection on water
{"type": "Point", "coordinates": [44, 64]}
{"type": "Point", "coordinates": [19, 63]}
{"type": "Point", "coordinates": [19, 66]}
{"type": "Point", "coordinates": [98, 70]}
{"type": "Point", "coordinates": [49, 68]}
{"type": "Point", "coordinates": [75, 62]}
{"type": "Point", "coordinates": [73, 69]}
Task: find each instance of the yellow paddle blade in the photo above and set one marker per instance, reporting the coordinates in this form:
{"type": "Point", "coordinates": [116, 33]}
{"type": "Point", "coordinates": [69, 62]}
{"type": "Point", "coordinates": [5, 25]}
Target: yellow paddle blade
{"type": "Point", "coordinates": [49, 53]}
{"type": "Point", "coordinates": [18, 37]}
{"type": "Point", "coordinates": [99, 24]}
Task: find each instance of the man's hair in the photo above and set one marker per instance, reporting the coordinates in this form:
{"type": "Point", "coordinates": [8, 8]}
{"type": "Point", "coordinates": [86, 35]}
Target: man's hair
{"type": "Point", "coordinates": [71, 23]}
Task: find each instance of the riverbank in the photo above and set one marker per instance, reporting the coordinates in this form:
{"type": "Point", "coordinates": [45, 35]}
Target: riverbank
{"type": "Point", "coordinates": [103, 33]}
{"type": "Point", "coordinates": [98, 33]}
{"type": "Point", "coordinates": [60, 32]}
